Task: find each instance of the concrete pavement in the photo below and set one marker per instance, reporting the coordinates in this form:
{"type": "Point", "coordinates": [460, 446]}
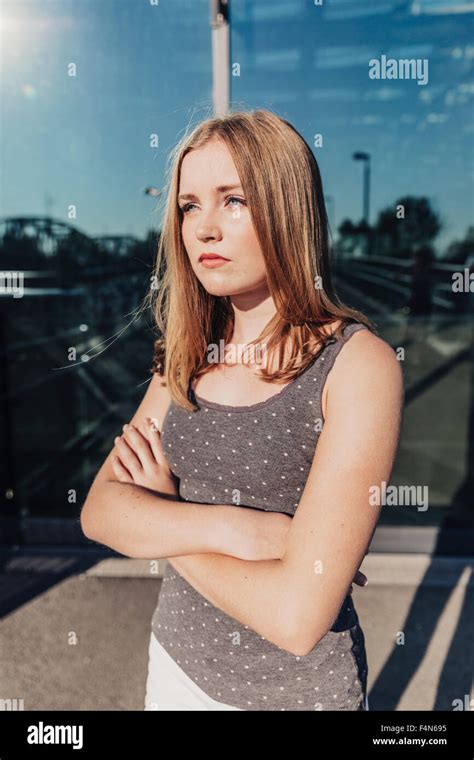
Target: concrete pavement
{"type": "Point", "coordinates": [75, 630]}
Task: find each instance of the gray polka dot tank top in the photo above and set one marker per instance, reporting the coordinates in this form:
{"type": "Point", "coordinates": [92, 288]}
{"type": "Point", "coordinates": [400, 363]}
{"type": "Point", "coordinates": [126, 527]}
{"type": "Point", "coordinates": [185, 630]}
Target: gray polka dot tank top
{"type": "Point", "coordinates": [262, 455]}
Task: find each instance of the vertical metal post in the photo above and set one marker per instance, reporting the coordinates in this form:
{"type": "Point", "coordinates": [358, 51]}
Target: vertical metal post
{"type": "Point", "coordinates": [365, 157]}
{"type": "Point", "coordinates": [220, 56]}
{"type": "Point", "coordinates": [367, 190]}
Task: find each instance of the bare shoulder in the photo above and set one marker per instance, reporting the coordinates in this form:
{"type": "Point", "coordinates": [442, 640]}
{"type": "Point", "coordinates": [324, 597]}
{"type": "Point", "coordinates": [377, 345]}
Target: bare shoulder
{"type": "Point", "coordinates": [157, 397]}
{"type": "Point", "coordinates": [366, 371]}
{"type": "Point", "coordinates": [368, 352]}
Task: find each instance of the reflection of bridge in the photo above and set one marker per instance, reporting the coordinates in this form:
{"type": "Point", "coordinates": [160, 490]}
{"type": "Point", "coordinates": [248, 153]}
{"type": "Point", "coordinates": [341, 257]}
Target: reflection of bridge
{"type": "Point", "coordinates": [85, 262]}
{"type": "Point", "coordinates": [47, 233]}
{"type": "Point", "coordinates": [118, 245]}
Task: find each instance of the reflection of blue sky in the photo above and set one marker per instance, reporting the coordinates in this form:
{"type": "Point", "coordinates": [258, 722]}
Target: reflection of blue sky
{"type": "Point", "coordinates": [141, 70]}
{"type": "Point", "coordinates": [146, 69]}
{"type": "Point", "coordinates": [312, 67]}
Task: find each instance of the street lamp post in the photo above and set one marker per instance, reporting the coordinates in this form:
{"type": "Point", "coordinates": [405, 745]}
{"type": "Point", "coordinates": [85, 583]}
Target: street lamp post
{"type": "Point", "coordinates": [365, 157]}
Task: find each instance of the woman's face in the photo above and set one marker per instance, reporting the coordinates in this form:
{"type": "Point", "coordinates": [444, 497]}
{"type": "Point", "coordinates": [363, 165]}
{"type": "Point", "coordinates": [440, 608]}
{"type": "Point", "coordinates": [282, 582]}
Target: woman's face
{"type": "Point", "coordinates": [217, 220]}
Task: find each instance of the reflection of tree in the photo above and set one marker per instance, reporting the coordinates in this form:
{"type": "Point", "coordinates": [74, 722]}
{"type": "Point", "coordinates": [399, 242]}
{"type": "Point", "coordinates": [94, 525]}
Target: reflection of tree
{"type": "Point", "coordinates": [461, 250]}
{"type": "Point", "coordinates": [351, 237]}
{"type": "Point", "coordinates": [409, 225]}
{"type": "Point", "coordinates": [402, 237]}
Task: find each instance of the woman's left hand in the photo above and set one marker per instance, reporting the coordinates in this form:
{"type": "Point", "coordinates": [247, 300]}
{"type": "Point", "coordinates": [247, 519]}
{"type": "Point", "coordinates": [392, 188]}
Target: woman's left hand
{"type": "Point", "coordinates": [139, 458]}
{"type": "Point", "coordinates": [360, 580]}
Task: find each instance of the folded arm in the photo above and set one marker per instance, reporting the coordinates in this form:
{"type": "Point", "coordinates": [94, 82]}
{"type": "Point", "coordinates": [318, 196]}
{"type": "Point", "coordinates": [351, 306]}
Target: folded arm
{"type": "Point", "coordinates": [133, 505]}
{"type": "Point", "coordinates": [294, 601]}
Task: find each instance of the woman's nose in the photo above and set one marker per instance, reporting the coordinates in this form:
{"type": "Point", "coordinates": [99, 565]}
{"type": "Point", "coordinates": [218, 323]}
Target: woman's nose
{"type": "Point", "coordinates": [208, 230]}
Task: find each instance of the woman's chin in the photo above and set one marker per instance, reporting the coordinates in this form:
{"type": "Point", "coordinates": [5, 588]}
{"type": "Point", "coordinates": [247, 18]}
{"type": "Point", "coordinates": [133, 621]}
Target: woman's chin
{"type": "Point", "coordinates": [219, 287]}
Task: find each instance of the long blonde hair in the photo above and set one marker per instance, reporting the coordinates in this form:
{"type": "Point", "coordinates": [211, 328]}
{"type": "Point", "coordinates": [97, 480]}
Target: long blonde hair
{"type": "Point", "coordinates": [283, 190]}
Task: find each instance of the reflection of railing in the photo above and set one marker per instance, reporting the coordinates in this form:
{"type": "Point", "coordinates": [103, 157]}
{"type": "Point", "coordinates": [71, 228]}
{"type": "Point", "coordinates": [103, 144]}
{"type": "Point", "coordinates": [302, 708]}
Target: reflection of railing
{"type": "Point", "coordinates": [57, 282]}
{"type": "Point", "coordinates": [99, 296]}
{"type": "Point", "coordinates": [40, 283]}
{"type": "Point", "coordinates": [393, 279]}
{"type": "Point", "coordinates": [80, 405]}
{"type": "Point", "coordinates": [98, 397]}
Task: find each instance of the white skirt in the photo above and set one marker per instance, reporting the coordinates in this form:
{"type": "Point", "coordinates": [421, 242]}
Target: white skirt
{"type": "Point", "coordinates": [170, 688]}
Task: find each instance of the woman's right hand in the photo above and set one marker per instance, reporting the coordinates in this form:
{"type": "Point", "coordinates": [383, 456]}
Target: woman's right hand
{"type": "Point", "coordinates": [139, 459]}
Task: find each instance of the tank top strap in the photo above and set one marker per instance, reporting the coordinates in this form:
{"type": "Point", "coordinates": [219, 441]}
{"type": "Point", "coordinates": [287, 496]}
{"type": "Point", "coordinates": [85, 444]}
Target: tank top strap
{"type": "Point", "coordinates": [325, 361]}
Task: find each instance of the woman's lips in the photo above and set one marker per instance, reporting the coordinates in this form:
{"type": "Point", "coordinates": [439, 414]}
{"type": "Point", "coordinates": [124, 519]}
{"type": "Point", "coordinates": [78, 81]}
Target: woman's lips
{"type": "Point", "coordinates": [212, 263]}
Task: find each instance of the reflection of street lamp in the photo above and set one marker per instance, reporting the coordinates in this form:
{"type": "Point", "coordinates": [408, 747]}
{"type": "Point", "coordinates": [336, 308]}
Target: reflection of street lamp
{"type": "Point", "coordinates": [152, 191]}
{"type": "Point", "coordinates": [359, 156]}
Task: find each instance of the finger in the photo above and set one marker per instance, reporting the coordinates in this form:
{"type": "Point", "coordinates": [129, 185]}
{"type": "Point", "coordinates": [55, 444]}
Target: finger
{"type": "Point", "coordinates": [121, 473]}
{"type": "Point", "coordinates": [154, 436]}
{"type": "Point", "coordinates": [128, 457]}
{"type": "Point", "coordinates": [139, 444]}
{"type": "Point", "coordinates": [360, 579]}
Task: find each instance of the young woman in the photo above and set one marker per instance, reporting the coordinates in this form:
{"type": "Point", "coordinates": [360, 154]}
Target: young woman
{"type": "Point", "coordinates": [251, 462]}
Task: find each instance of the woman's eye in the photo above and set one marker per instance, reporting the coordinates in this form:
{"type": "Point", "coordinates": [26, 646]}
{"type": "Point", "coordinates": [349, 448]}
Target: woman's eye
{"type": "Point", "coordinates": [186, 207]}
{"type": "Point", "coordinates": [234, 198]}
